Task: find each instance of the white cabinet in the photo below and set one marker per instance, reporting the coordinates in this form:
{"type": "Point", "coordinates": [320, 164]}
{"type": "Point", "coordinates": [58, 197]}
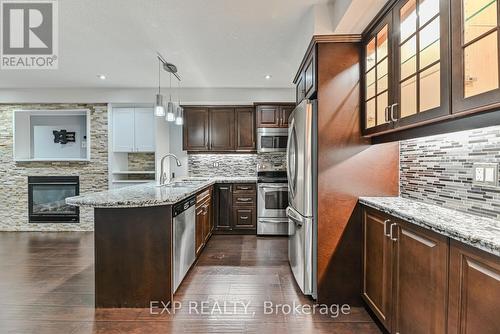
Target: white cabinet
{"type": "Point", "coordinates": [123, 130]}
{"type": "Point", "coordinates": [144, 130]}
{"type": "Point", "coordinates": [133, 130]}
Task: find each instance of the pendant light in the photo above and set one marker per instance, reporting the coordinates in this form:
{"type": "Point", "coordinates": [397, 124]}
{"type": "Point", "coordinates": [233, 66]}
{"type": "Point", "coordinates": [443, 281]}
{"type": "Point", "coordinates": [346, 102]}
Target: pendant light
{"type": "Point", "coordinates": [170, 105]}
{"type": "Point", "coordinates": [180, 111]}
{"type": "Point", "coordinates": [159, 108]}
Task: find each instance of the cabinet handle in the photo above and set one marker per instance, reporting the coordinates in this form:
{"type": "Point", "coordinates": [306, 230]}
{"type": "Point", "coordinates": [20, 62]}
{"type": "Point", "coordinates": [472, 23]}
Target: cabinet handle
{"type": "Point", "coordinates": [391, 232]}
{"type": "Point", "coordinates": [244, 199]}
{"type": "Point", "coordinates": [393, 118]}
{"type": "Point", "coordinates": [244, 217]}
{"type": "Point", "coordinates": [385, 227]}
{"type": "Point", "coordinates": [386, 114]}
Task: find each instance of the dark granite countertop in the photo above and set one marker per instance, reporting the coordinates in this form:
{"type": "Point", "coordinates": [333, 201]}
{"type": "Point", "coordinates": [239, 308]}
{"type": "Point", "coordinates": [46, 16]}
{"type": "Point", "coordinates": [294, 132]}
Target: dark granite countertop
{"type": "Point", "coordinates": [476, 231]}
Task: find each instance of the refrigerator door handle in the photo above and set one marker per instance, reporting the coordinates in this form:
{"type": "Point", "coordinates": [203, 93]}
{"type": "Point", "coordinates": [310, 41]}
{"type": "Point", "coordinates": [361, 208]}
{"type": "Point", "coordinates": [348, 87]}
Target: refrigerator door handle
{"type": "Point", "coordinates": [295, 217]}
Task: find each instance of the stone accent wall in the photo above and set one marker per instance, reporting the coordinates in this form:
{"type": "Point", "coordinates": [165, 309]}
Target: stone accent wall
{"type": "Point", "coordinates": [141, 161]}
{"type": "Point", "coordinates": [231, 164]}
{"type": "Point", "coordinates": [439, 170]}
{"type": "Point", "coordinates": [14, 176]}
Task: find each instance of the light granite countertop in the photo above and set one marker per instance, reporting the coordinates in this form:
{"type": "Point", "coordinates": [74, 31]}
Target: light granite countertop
{"type": "Point", "coordinates": [476, 231]}
{"type": "Point", "coordinates": [149, 194]}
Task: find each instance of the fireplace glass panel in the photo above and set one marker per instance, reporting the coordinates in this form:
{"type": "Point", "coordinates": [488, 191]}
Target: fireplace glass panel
{"type": "Point", "coordinates": [47, 199]}
{"type": "Point", "coordinates": [50, 199]}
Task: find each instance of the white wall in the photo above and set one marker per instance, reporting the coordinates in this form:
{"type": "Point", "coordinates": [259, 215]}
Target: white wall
{"type": "Point", "coordinates": [162, 144]}
{"type": "Point", "coordinates": [146, 95]}
{"type": "Point", "coordinates": [176, 148]}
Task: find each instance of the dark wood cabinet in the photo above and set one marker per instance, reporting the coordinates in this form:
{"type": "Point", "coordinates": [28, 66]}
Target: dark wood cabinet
{"type": "Point", "coordinates": [377, 265]}
{"type": "Point", "coordinates": [420, 279]}
{"type": "Point", "coordinates": [300, 89]}
{"type": "Point", "coordinates": [196, 129]}
{"type": "Point", "coordinates": [406, 68]}
{"type": "Point", "coordinates": [376, 77]}
{"type": "Point", "coordinates": [405, 274]}
{"type": "Point", "coordinates": [223, 206]}
{"type": "Point", "coordinates": [421, 61]}
{"type": "Point", "coordinates": [244, 218]}
{"type": "Point", "coordinates": [236, 208]}
{"type": "Point", "coordinates": [274, 116]}
{"type": "Point", "coordinates": [268, 116]}
{"type": "Point", "coordinates": [200, 222]}
{"type": "Point", "coordinates": [222, 129]}
{"type": "Point", "coordinates": [219, 129]}
{"type": "Point", "coordinates": [203, 219]}
{"type": "Point", "coordinates": [310, 76]}
{"type": "Point", "coordinates": [475, 46]}
{"type": "Point", "coordinates": [438, 65]}
{"type": "Point", "coordinates": [474, 291]}
{"type": "Point", "coordinates": [306, 79]}
{"type": "Point", "coordinates": [285, 114]}
{"type": "Point", "coordinates": [245, 129]}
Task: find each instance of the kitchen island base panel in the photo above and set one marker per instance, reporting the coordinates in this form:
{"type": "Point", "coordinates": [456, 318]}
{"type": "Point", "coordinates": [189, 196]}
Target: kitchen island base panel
{"type": "Point", "coordinates": [133, 256]}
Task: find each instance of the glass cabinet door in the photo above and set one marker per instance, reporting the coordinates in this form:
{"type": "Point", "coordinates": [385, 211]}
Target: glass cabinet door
{"type": "Point", "coordinates": [421, 83]}
{"type": "Point", "coordinates": [475, 44]}
{"type": "Point", "coordinates": [376, 76]}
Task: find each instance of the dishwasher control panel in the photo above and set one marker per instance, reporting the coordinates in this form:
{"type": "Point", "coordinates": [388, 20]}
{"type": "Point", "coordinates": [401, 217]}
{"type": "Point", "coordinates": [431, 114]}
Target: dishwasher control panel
{"type": "Point", "coordinates": [183, 206]}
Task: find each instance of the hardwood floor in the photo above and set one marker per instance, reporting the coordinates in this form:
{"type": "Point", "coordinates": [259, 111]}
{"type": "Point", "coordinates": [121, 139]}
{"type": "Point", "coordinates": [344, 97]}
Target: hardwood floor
{"type": "Point", "coordinates": [47, 286]}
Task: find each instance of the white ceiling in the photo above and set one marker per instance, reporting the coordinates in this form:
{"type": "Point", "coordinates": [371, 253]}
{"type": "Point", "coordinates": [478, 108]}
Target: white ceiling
{"type": "Point", "coordinates": [214, 43]}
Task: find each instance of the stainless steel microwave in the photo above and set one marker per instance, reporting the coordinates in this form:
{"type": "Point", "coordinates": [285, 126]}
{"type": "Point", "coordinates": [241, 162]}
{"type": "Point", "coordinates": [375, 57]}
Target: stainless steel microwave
{"type": "Point", "coordinates": [272, 139]}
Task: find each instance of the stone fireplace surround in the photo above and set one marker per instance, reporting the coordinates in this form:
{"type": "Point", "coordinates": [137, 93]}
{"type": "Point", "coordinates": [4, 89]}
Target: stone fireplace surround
{"type": "Point", "coordinates": [14, 176]}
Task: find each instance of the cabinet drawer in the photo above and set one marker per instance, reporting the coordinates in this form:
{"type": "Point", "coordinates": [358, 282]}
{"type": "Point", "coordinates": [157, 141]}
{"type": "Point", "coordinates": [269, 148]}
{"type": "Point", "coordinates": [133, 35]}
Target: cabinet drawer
{"type": "Point", "coordinates": [243, 199]}
{"type": "Point", "coordinates": [244, 218]}
{"type": "Point", "coordinates": [240, 188]}
{"type": "Point", "coordinates": [204, 195]}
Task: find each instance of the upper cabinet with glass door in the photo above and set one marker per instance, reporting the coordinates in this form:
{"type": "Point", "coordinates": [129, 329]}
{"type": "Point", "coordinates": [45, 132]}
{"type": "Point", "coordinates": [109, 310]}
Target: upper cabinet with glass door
{"type": "Point", "coordinates": [377, 71]}
{"type": "Point", "coordinates": [421, 82]}
{"type": "Point", "coordinates": [475, 58]}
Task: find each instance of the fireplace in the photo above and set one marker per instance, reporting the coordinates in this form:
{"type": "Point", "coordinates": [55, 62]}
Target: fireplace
{"type": "Point", "coordinates": [46, 199]}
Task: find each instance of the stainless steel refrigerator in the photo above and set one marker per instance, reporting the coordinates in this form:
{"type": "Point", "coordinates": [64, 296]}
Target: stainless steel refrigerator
{"type": "Point", "coordinates": [302, 195]}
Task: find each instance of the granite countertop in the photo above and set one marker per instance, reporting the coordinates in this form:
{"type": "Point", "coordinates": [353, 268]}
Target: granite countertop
{"type": "Point", "coordinates": [149, 194]}
{"type": "Point", "coordinates": [476, 231]}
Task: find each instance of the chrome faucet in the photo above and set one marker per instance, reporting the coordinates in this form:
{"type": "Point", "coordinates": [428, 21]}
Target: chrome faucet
{"type": "Point", "coordinates": [163, 175]}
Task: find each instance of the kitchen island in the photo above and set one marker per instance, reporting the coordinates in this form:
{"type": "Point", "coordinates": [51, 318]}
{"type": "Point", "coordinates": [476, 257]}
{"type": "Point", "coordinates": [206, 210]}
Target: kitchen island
{"type": "Point", "coordinates": [133, 238]}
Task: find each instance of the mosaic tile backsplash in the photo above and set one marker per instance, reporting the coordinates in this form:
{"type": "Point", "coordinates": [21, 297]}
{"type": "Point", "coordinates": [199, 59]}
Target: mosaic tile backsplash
{"type": "Point", "coordinates": [439, 170]}
{"type": "Point", "coordinates": [230, 164]}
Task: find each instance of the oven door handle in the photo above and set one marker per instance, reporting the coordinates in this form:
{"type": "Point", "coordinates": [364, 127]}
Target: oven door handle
{"type": "Point", "coordinates": [273, 221]}
{"type": "Point", "coordinates": [273, 187]}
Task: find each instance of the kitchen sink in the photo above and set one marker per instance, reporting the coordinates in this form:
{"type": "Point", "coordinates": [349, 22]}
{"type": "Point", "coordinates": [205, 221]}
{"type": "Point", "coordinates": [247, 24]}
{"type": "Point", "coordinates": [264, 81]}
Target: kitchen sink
{"type": "Point", "coordinates": [185, 183]}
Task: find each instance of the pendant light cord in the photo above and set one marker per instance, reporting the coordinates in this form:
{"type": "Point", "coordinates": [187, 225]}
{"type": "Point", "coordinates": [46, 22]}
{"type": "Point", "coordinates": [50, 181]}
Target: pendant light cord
{"type": "Point", "coordinates": [179, 92]}
{"type": "Point", "coordinates": [170, 92]}
{"type": "Point", "coordinates": [159, 76]}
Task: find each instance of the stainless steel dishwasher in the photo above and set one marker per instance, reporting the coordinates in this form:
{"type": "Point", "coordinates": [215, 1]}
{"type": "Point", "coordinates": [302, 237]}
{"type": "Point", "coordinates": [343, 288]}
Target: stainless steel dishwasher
{"type": "Point", "coordinates": [184, 239]}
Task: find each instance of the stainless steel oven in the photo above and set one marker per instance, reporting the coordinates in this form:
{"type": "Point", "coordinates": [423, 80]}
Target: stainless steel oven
{"type": "Point", "coordinates": [272, 201]}
{"type": "Point", "coordinates": [272, 139]}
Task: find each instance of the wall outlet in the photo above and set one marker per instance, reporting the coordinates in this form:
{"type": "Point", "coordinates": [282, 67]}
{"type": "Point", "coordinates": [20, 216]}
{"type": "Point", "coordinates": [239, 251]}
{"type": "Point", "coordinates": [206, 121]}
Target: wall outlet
{"type": "Point", "coordinates": [479, 174]}
{"type": "Point", "coordinates": [486, 174]}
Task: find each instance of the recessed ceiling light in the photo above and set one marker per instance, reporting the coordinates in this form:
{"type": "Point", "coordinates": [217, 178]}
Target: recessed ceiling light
{"type": "Point", "coordinates": [102, 76]}
{"type": "Point", "coordinates": [267, 77]}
